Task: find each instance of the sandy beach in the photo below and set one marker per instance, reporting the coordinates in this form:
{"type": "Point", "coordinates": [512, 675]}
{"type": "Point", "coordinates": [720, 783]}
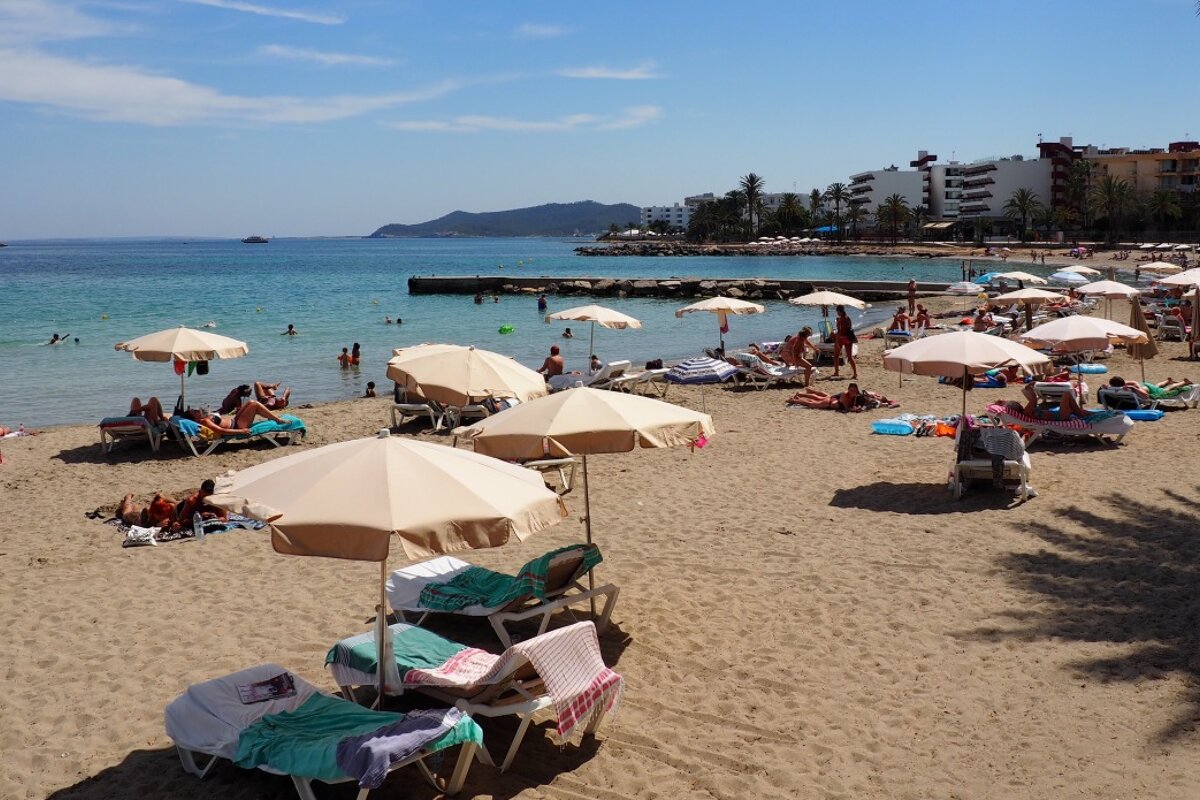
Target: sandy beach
{"type": "Point", "coordinates": [805, 612]}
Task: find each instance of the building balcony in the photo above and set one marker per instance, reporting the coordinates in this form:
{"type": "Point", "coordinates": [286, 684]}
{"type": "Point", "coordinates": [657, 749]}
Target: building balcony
{"type": "Point", "coordinates": [972, 183]}
{"type": "Point", "coordinates": [979, 169]}
{"type": "Point", "coordinates": [971, 208]}
{"type": "Point", "coordinates": [976, 195]}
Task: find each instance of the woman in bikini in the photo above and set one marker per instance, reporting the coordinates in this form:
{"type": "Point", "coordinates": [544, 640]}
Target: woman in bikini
{"type": "Point", "coordinates": [794, 351]}
{"type": "Point", "coordinates": [850, 400]}
{"type": "Point", "coordinates": [233, 424]}
{"type": "Point", "coordinates": [844, 340]}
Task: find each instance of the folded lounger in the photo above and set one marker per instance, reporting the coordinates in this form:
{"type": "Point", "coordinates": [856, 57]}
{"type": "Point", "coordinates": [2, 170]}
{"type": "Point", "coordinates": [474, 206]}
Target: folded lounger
{"type": "Point", "coordinates": [311, 736]}
{"type": "Point", "coordinates": [541, 587]}
{"type": "Point", "coordinates": [1004, 459]}
{"type": "Point", "coordinates": [201, 441]}
{"type": "Point", "coordinates": [114, 428]}
{"type": "Point", "coordinates": [561, 670]}
{"type": "Point", "coordinates": [1100, 424]}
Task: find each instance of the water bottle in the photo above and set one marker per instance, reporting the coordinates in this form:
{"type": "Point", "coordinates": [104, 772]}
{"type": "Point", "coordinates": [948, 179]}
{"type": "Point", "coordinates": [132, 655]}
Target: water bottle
{"type": "Point", "coordinates": [198, 526]}
{"type": "Point", "coordinates": [21, 429]}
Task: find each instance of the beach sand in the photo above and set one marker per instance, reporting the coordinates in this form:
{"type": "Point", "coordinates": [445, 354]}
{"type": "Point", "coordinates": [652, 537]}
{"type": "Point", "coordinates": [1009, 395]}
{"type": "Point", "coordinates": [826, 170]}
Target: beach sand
{"type": "Point", "coordinates": [804, 613]}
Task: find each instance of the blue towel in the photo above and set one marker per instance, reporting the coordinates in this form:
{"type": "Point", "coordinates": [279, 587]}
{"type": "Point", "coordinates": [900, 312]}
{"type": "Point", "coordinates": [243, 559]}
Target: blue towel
{"type": "Point", "coordinates": [368, 756]}
{"type": "Point", "coordinates": [264, 426]}
{"type": "Point", "coordinates": [186, 426]}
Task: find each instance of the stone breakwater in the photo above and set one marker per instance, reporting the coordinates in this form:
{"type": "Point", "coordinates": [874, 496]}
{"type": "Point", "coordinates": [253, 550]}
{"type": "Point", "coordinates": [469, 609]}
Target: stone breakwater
{"type": "Point", "coordinates": [678, 287]}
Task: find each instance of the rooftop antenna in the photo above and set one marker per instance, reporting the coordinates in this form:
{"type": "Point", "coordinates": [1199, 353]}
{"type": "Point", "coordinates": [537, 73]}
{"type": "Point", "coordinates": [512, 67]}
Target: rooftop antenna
{"type": "Point", "coordinates": [1039, 137]}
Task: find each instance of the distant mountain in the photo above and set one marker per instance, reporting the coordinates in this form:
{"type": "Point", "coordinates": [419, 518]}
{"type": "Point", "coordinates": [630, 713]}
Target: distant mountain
{"type": "Point", "coordinates": [552, 219]}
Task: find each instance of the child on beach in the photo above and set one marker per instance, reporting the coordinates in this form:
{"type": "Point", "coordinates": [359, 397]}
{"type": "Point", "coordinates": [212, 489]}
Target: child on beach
{"type": "Point", "coordinates": [370, 392]}
{"type": "Point", "coordinates": [344, 358]}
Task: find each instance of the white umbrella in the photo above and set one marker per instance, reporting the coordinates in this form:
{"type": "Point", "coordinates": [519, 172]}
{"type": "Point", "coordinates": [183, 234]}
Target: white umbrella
{"type": "Point", "coordinates": [597, 315]}
{"type": "Point", "coordinates": [1068, 277]}
{"type": "Point", "coordinates": [1109, 289]}
{"type": "Point", "coordinates": [722, 307]}
{"type": "Point", "coordinates": [458, 375]}
{"type": "Point", "coordinates": [1079, 333]}
{"type": "Point", "coordinates": [1161, 267]}
{"type": "Point", "coordinates": [1189, 277]}
{"type": "Point", "coordinates": [1028, 298]}
{"type": "Point", "coordinates": [1022, 276]}
{"type": "Point", "coordinates": [1165, 246]}
{"type": "Point", "coordinates": [962, 354]}
{"type": "Point", "coordinates": [1183, 247]}
{"type": "Point", "coordinates": [347, 500]}
{"type": "Point", "coordinates": [1079, 269]}
{"type": "Point", "coordinates": [1146, 246]}
{"type": "Point", "coordinates": [182, 345]}
{"type": "Point", "coordinates": [826, 299]}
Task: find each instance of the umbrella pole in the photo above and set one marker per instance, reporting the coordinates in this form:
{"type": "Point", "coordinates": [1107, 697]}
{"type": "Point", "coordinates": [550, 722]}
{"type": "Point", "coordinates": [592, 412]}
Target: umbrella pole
{"type": "Point", "coordinates": [380, 644]}
{"type": "Point", "coordinates": [966, 377]}
{"type": "Point", "coordinates": [587, 516]}
{"type": "Point", "coordinates": [592, 344]}
{"type": "Point", "coordinates": [182, 400]}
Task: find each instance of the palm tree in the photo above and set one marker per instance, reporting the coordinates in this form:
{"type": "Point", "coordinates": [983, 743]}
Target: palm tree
{"type": "Point", "coordinates": [918, 216]}
{"type": "Point", "coordinates": [790, 215]}
{"type": "Point", "coordinates": [854, 215]}
{"type": "Point", "coordinates": [752, 187]}
{"type": "Point", "coordinates": [892, 214]}
{"type": "Point", "coordinates": [1163, 205]}
{"type": "Point", "coordinates": [1079, 184]}
{"type": "Point", "coordinates": [1109, 199]}
{"type": "Point", "coordinates": [837, 193]}
{"type": "Point", "coordinates": [1022, 205]}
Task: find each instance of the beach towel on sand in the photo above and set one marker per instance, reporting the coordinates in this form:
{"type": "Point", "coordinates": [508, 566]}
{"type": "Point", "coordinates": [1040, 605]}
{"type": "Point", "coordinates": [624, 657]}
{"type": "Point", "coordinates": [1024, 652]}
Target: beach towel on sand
{"type": "Point", "coordinates": [479, 586]}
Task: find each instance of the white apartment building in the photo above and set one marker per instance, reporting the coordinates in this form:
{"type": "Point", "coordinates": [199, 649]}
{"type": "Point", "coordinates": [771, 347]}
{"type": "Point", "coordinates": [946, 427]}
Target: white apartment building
{"type": "Point", "coordinates": [944, 191]}
{"type": "Point", "coordinates": [988, 184]}
{"type": "Point", "coordinates": [870, 189]}
{"type": "Point", "coordinates": [677, 216]}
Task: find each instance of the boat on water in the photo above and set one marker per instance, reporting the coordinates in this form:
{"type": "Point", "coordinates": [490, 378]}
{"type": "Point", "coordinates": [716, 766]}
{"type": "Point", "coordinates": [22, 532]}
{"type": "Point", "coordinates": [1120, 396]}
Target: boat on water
{"type": "Point", "coordinates": [255, 240]}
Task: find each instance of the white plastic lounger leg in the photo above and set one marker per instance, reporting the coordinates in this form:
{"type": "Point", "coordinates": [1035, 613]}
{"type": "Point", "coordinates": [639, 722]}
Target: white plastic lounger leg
{"type": "Point", "coordinates": [303, 787]}
{"type": "Point", "coordinates": [459, 775]}
{"type": "Point", "coordinates": [188, 759]}
{"type": "Point", "coordinates": [516, 742]}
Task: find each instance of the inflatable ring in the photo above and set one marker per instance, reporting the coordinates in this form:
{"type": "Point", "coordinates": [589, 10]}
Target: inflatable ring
{"type": "Point", "coordinates": [507, 329]}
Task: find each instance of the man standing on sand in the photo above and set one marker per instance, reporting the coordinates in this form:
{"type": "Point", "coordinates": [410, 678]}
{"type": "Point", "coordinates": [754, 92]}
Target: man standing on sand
{"type": "Point", "coordinates": [553, 365]}
{"type": "Point", "coordinates": [912, 297]}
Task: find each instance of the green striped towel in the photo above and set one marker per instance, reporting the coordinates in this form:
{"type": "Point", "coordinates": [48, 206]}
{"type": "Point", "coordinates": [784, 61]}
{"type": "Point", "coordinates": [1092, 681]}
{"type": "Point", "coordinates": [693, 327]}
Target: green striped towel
{"type": "Point", "coordinates": [482, 587]}
{"type": "Point", "coordinates": [413, 647]}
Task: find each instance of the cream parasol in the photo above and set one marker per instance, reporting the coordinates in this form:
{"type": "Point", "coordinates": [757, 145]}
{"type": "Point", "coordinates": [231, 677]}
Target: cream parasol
{"type": "Point", "coordinates": [1079, 269]}
{"type": "Point", "coordinates": [962, 354]}
{"type": "Point", "coordinates": [597, 315]}
{"type": "Point", "coordinates": [722, 307]}
{"type": "Point", "coordinates": [182, 345]}
{"type": "Point", "coordinates": [347, 500]}
{"type": "Point", "coordinates": [1027, 298]}
{"type": "Point", "coordinates": [1188, 277]}
{"type": "Point", "coordinates": [1109, 290]}
{"type": "Point", "coordinates": [1021, 276]}
{"type": "Point", "coordinates": [826, 298]}
{"type": "Point", "coordinates": [457, 375]}
{"type": "Point", "coordinates": [1140, 350]}
{"type": "Point", "coordinates": [1078, 333]}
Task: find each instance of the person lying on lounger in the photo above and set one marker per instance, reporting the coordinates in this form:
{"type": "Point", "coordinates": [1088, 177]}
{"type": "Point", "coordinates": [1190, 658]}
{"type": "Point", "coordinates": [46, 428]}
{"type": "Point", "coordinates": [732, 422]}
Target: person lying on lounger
{"type": "Point", "coordinates": [1068, 406]}
{"type": "Point", "coordinates": [1150, 391]}
{"type": "Point", "coordinates": [233, 424]}
{"type": "Point", "coordinates": [152, 410]}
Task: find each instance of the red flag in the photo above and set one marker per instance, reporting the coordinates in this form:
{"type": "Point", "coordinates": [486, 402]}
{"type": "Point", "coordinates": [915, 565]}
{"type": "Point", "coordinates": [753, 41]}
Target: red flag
{"type": "Point", "coordinates": [724, 320]}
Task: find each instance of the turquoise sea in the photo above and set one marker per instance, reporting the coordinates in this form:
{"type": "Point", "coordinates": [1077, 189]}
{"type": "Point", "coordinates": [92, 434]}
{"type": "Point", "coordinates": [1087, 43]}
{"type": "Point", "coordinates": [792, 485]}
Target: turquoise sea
{"type": "Point", "coordinates": [336, 292]}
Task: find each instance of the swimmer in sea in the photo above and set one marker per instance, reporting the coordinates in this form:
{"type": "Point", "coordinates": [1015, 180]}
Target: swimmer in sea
{"type": "Point", "coordinates": [56, 339]}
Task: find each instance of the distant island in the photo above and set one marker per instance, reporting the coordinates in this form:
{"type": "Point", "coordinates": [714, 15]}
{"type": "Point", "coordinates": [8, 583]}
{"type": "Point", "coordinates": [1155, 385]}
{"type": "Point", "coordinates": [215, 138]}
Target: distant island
{"type": "Point", "coordinates": [551, 219]}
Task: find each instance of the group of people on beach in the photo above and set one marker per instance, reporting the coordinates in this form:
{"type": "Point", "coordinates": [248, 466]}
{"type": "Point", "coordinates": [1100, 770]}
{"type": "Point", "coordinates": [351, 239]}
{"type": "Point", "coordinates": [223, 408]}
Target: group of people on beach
{"type": "Point", "coordinates": [350, 356]}
{"type": "Point", "coordinates": [234, 416]}
{"type": "Point", "coordinates": [169, 514]}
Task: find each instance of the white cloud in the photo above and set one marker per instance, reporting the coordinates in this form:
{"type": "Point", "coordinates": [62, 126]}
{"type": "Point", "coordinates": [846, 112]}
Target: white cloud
{"type": "Point", "coordinates": [534, 30]}
{"type": "Point", "coordinates": [631, 117]}
{"type": "Point", "coordinates": [117, 93]}
{"type": "Point", "coordinates": [324, 59]}
{"type": "Point", "coordinates": [28, 21]}
{"type": "Point", "coordinates": [642, 72]}
{"type": "Point", "coordinates": [270, 11]}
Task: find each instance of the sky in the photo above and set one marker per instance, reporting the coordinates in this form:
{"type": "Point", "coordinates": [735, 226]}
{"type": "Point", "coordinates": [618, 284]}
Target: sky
{"type": "Point", "coordinates": [334, 117]}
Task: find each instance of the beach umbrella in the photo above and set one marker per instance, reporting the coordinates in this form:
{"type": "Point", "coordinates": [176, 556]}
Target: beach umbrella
{"type": "Point", "coordinates": [456, 375]}
{"type": "Point", "coordinates": [1183, 247]}
{"type": "Point", "coordinates": [1188, 277]}
{"type": "Point", "coordinates": [1109, 290]}
{"type": "Point", "coordinates": [1146, 246]}
{"type": "Point", "coordinates": [700, 370]}
{"type": "Point", "coordinates": [597, 315]}
{"type": "Point", "coordinates": [963, 287]}
{"type": "Point", "coordinates": [583, 422]}
{"type": "Point", "coordinates": [1079, 269]}
{"type": "Point", "coordinates": [1161, 267]}
{"type": "Point", "coordinates": [962, 354]}
{"type": "Point", "coordinates": [826, 299]}
{"type": "Point", "coordinates": [182, 345]}
{"type": "Point", "coordinates": [723, 307]}
{"type": "Point", "coordinates": [1079, 333]}
{"type": "Point", "coordinates": [1140, 350]}
{"type": "Point", "coordinates": [1021, 276]}
{"type": "Point", "coordinates": [1165, 246]}
{"type": "Point", "coordinates": [1073, 278]}
{"type": "Point", "coordinates": [1027, 298]}
{"type": "Point", "coordinates": [348, 500]}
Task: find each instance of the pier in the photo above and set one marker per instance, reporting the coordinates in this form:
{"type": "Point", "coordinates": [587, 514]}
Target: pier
{"type": "Point", "coordinates": [680, 287]}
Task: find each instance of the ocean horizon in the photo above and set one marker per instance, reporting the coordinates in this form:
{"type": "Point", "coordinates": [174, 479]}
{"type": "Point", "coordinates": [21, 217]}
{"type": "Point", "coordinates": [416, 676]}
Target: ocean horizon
{"type": "Point", "coordinates": [337, 291]}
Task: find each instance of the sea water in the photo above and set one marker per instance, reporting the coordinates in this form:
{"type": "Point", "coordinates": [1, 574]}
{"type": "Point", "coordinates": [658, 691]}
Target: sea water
{"type": "Point", "coordinates": [338, 292]}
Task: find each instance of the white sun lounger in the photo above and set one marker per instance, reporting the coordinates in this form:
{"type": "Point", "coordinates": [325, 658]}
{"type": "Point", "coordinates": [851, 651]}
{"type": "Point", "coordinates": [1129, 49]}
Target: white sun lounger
{"type": "Point", "coordinates": [131, 429]}
{"type": "Point", "coordinates": [1111, 429]}
{"type": "Point", "coordinates": [1016, 466]}
{"type": "Point", "coordinates": [209, 718]}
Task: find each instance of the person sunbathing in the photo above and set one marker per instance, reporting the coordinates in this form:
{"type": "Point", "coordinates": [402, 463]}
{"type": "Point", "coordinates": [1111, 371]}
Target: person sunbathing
{"type": "Point", "coordinates": [899, 321]}
{"type": "Point", "coordinates": [1068, 406]}
{"type": "Point", "coordinates": [922, 319]}
{"type": "Point", "coordinates": [267, 394]}
{"type": "Point", "coordinates": [160, 513]}
{"type": "Point", "coordinates": [851, 400]}
{"type": "Point", "coordinates": [1151, 391]}
{"type": "Point", "coordinates": [233, 424]}
{"type": "Point", "coordinates": [152, 410]}
{"type": "Point", "coordinates": [234, 399]}
{"type": "Point", "coordinates": [195, 504]}
{"type": "Point", "coordinates": [763, 356]}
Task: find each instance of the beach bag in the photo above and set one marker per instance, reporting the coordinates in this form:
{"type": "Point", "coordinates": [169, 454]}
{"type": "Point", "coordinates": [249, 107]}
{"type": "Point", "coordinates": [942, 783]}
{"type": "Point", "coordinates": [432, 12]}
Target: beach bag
{"type": "Point", "coordinates": [655, 364]}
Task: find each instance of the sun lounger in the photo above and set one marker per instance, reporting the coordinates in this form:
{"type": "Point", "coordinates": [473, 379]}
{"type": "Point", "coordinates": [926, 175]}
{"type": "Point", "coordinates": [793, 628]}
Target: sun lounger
{"type": "Point", "coordinates": [755, 372]}
{"type": "Point", "coordinates": [1125, 399]}
{"type": "Point", "coordinates": [1100, 424]}
{"type": "Point", "coordinates": [201, 441]}
{"type": "Point", "coordinates": [601, 379]}
{"type": "Point", "coordinates": [402, 412]}
{"type": "Point", "coordinates": [483, 684]}
{"type": "Point", "coordinates": [565, 467]}
{"type": "Point", "coordinates": [129, 428]}
{"type": "Point", "coordinates": [644, 382]}
{"type": "Point", "coordinates": [1170, 327]}
{"type": "Point", "coordinates": [309, 735]}
{"type": "Point", "coordinates": [1003, 459]}
{"type": "Point", "coordinates": [541, 588]}
{"type": "Point", "coordinates": [1052, 391]}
